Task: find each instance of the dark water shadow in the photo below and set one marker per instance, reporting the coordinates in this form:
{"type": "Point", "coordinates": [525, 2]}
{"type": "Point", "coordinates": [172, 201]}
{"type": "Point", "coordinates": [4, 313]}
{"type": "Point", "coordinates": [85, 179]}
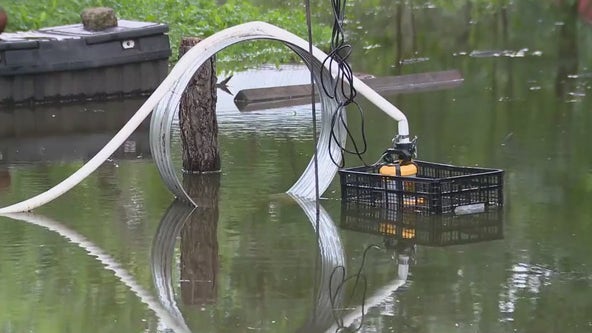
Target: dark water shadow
{"type": "Point", "coordinates": [5, 178]}
{"type": "Point", "coordinates": [69, 132]}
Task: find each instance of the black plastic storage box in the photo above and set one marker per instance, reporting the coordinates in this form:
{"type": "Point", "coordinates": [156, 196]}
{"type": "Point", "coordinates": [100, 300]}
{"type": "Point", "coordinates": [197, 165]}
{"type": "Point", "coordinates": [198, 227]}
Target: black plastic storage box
{"type": "Point", "coordinates": [437, 188]}
{"type": "Point", "coordinates": [430, 230]}
{"type": "Point", "coordinates": [68, 63]}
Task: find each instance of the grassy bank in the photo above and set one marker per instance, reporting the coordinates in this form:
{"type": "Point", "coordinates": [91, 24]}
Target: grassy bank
{"type": "Point", "coordinates": [185, 18]}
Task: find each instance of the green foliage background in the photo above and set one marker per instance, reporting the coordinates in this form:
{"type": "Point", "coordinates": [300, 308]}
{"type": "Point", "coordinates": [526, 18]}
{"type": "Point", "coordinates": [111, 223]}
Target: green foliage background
{"type": "Point", "coordinates": [199, 18]}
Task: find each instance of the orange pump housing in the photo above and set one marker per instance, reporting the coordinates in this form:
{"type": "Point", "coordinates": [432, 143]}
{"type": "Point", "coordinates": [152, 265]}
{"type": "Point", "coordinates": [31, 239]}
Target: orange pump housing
{"type": "Point", "coordinates": [396, 169]}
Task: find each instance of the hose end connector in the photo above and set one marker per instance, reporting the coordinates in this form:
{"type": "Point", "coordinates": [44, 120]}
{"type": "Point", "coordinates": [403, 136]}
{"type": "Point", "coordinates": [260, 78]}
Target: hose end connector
{"type": "Point", "coordinates": [404, 148]}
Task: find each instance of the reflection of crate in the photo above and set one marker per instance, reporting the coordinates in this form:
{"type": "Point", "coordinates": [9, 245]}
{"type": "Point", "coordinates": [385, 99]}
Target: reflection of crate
{"type": "Point", "coordinates": [437, 188]}
{"type": "Point", "coordinates": [435, 230]}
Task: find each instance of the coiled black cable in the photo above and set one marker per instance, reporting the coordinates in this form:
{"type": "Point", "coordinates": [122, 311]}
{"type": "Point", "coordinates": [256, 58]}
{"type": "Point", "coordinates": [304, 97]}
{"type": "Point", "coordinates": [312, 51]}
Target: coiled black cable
{"type": "Point", "coordinates": [341, 87]}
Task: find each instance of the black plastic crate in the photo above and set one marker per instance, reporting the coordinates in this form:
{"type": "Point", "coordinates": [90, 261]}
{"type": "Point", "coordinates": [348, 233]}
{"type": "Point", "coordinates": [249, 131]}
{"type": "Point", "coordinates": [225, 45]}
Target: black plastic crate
{"type": "Point", "coordinates": [429, 230]}
{"type": "Point", "coordinates": [437, 188]}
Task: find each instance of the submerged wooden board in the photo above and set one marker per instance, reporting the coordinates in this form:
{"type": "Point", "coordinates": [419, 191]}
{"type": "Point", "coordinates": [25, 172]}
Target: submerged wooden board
{"type": "Point", "coordinates": [277, 97]}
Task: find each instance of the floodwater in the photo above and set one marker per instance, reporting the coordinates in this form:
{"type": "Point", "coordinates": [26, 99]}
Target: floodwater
{"type": "Point", "coordinates": [117, 254]}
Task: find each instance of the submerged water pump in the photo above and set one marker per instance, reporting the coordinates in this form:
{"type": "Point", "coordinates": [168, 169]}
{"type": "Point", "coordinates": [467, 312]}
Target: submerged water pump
{"type": "Point", "coordinates": [398, 160]}
{"type": "Point", "coordinates": [403, 185]}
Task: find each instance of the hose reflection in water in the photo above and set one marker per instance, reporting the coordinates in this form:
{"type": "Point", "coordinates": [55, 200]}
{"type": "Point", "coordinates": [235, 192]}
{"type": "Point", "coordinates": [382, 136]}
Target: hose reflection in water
{"type": "Point", "coordinates": [353, 320]}
{"type": "Point", "coordinates": [327, 315]}
{"type": "Point", "coordinates": [331, 255]}
{"type": "Point", "coordinates": [163, 249]}
{"type": "Point", "coordinates": [168, 319]}
{"type": "Point", "coordinates": [328, 298]}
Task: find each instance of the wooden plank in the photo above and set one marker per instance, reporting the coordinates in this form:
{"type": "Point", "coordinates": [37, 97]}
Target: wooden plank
{"type": "Point", "coordinates": [277, 97]}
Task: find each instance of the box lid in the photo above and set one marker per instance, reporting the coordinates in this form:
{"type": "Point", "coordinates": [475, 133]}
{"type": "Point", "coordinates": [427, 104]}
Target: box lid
{"type": "Point", "coordinates": [70, 47]}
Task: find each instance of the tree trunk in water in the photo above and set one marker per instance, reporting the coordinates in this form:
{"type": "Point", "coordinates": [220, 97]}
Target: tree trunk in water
{"type": "Point", "coordinates": [197, 116]}
{"type": "Point", "coordinates": [199, 242]}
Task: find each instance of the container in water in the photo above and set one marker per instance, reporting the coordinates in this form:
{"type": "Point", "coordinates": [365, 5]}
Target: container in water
{"type": "Point", "coordinates": [401, 169]}
{"type": "Point", "coordinates": [68, 63]}
{"type": "Point", "coordinates": [435, 189]}
{"type": "Point", "coordinates": [398, 169]}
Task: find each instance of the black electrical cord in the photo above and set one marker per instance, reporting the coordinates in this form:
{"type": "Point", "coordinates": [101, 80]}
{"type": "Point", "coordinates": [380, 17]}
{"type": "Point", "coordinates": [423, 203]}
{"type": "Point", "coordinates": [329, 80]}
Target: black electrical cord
{"type": "Point", "coordinates": [359, 277]}
{"type": "Point", "coordinates": [339, 117]}
{"type": "Point", "coordinates": [314, 116]}
{"type": "Point", "coordinates": [341, 87]}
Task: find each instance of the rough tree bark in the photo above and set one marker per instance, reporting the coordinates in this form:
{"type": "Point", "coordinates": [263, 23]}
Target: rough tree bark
{"type": "Point", "coordinates": [197, 116]}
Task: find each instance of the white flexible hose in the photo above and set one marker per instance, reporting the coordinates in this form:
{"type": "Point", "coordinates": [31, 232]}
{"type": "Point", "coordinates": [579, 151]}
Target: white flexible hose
{"type": "Point", "coordinates": [80, 174]}
{"type": "Point", "coordinates": [209, 45]}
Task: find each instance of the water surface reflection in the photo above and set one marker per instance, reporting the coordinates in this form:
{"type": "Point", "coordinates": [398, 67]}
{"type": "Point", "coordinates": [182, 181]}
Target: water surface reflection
{"type": "Point", "coordinates": [201, 257]}
{"type": "Point", "coordinates": [195, 273]}
{"type": "Point", "coordinates": [162, 313]}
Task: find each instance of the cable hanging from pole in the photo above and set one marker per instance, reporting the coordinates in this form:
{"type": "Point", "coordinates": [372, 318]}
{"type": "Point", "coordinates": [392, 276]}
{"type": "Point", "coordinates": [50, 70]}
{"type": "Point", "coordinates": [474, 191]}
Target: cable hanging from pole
{"type": "Point", "coordinates": [341, 87]}
{"type": "Point", "coordinates": [314, 111]}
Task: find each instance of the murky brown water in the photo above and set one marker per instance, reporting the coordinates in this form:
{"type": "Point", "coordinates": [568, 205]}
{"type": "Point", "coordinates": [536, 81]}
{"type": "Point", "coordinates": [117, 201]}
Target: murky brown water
{"type": "Point", "coordinates": [116, 255]}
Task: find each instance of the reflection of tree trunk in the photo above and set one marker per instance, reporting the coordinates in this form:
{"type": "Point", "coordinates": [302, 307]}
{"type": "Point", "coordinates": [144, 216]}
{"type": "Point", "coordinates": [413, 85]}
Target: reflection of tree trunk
{"type": "Point", "coordinates": [509, 62]}
{"type": "Point", "coordinates": [465, 36]}
{"type": "Point", "coordinates": [501, 26]}
{"type": "Point", "coordinates": [413, 27]}
{"type": "Point", "coordinates": [504, 14]}
{"type": "Point", "coordinates": [4, 179]}
{"type": "Point", "coordinates": [399, 36]}
{"type": "Point", "coordinates": [501, 43]}
{"type": "Point", "coordinates": [567, 48]}
{"type": "Point", "coordinates": [199, 242]}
